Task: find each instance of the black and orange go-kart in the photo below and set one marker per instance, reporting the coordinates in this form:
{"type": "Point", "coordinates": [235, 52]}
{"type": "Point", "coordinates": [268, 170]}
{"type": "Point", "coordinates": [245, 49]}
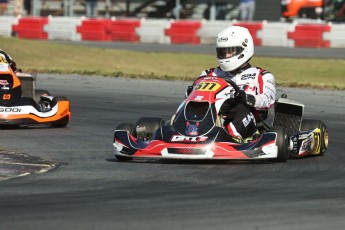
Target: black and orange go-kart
{"type": "Point", "coordinates": [22, 105]}
{"type": "Point", "coordinates": [196, 131]}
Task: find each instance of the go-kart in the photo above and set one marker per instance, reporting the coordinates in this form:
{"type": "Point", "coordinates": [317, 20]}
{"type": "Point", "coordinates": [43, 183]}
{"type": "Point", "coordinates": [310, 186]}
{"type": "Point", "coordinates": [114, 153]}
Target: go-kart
{"type": "Point", "coordinates": [25, 106]}
{"type": "Point", "coordinates": [196, 131]}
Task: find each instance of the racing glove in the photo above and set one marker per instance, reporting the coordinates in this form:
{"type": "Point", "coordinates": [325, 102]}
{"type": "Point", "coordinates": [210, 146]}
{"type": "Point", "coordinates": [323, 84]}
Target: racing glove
{"type": "Point", "coordinates": [189, 90]}
{"type": "Point", "coordinates": [13, 66]}
{"type": "Point", "coordinates": [244, 98]}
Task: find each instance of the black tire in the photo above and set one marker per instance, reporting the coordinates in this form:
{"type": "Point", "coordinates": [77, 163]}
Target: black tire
{"type": "Point", "coordinates": [282, 143]}
{"type": "Point", "coordinates": [123, 158]}
{"type": "Point", "coordinates": [57, 99]}
{"type": "Point", "coordinates": [151, 124]}
{"type": "Point", "coordinates": [38, 93]}
{"type": "Point", "coordinates": [313, 124]}
{"type": "Point", "coordinates": [125, 126]}
{"type": "Point", "coordinates": [61, 123]}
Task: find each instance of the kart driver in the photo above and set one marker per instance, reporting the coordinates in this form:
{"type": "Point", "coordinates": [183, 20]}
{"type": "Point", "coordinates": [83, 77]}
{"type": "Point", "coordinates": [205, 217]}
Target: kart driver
{"type": "Point", "coordinates": [10, 86]}
{"type": "Point", "coordinates": [9, 60]}
{"type": "Point", "coordinates": [235, 48]}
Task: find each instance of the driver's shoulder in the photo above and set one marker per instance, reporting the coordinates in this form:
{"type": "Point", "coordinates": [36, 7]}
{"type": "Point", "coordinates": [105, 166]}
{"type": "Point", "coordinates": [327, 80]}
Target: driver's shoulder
{"type": "Point", "coordinates": [261, 71]}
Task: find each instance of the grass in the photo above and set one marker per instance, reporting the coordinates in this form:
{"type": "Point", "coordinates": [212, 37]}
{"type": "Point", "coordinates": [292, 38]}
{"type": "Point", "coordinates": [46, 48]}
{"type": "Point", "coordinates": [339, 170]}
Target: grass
{"type": "Point", "coordinates": [48, 57]}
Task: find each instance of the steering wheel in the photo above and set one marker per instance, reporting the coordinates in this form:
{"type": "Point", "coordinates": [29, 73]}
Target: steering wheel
{"type": "Point", "coordinates": [233, 84]}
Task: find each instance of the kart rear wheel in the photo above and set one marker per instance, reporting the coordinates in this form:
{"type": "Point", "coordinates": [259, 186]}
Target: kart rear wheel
{"type": "Point", "coordinates": [282, 143]}
{"type": "Point", "coordinates": [314, 124]}
{"type": "Point", "coordinates": [145, 127]}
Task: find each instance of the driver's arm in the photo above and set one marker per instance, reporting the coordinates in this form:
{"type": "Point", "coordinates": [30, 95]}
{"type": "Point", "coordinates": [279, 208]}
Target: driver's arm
{"type": "Point", "coordinates": [266, 91]}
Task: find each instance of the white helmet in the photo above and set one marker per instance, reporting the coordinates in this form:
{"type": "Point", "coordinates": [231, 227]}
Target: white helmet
{"type": "Point", "coordinates": [235, 47]}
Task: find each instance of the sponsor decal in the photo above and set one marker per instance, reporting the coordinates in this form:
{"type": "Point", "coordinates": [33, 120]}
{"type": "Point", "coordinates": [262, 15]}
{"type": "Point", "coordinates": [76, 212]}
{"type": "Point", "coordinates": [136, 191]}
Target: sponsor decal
{"type": "Point", "coordinates": [6, 96]}
{"type": "Point", "coordinates": [210, 78]}
{"type": "Point", "coordinates": [248, 88]}
{"type": "Point", "coordinates": [222, 39]}
{"type": "Point", "coordinates": [246, 121]}
{"type": "Point", "coordinates": [180, 138]}
{"type": "Point", "coordinates": [306, 145]}
{"type": "Point", "coordinates": [303, 136]}
{"type": "Point", "coordinates": [248, 76]}
{"type": "Point", "coordinates": [4, 82]}
{"type": "Point", "coordinates": [10, 110]}
{"type": "Point", "coordinates": [192, 129]}
{"type": "Point", "coordinates": [198, 98]}
{"type": "Point", "coordinates": [64, 112]}
{"type": "Point", "coordinates": [207, 86]}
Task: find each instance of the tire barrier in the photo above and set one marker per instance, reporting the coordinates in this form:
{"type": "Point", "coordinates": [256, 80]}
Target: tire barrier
{"type": "Point", "coordinates": [95, 29]}
{"type": "Point", "coordinates": [63, 28]}
{"type": "Point", "coordinates": [31, 28]}
{"type": "Point", "coordinates": [336, 35]}
{"type": "Point", "coordinates": [254, 28]}
{"type": "Point", "coordinates": [184, 32]}
{"type": "Point", "coordinates": [310, 35]}
{"type": "Point", "coordinates": [124, 30]}
{"type": "Point", "coordinates": [6, 23]}
{"type": "Point", "coordinates": [275, 34]}
{"type": "Point", "coordinates": [153, 31]}
{"type": "Point", "coordinates": [209, 30]}
{"type": "Point", "coordinates": [164, 31]}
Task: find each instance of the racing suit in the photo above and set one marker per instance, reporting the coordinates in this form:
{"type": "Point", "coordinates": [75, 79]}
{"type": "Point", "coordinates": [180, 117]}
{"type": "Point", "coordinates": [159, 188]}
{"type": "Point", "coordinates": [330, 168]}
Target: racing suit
{"type": "Point", "coordinates": [10, 85]}
{"type": "Point", "coordinates": [259, 88]}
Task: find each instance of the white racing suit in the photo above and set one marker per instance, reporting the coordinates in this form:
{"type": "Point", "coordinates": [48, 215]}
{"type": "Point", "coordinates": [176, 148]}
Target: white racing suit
{"type": "Point", "coordinates": [240, 122]}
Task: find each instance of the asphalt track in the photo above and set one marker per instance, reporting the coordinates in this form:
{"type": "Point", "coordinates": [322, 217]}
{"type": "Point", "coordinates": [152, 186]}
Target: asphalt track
{"type": "Point", "coordinates": [91, 190]}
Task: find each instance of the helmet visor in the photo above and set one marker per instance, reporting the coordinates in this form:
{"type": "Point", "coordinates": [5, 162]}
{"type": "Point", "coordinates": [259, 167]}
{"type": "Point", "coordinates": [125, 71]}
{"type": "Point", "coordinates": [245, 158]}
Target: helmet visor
{"type": "Point", "coordinates": [228, 52]}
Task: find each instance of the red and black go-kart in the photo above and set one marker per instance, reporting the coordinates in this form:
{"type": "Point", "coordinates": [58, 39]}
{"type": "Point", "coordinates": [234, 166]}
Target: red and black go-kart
{"type": "Point", "coordinates": [196, 132]}
{"type": "Point", "coordinates": [22, 105]}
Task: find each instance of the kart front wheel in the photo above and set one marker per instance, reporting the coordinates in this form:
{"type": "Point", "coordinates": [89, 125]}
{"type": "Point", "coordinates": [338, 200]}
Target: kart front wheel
{"type": "Point", "coordinates": [146, 127]}
{"type": "Point", "coordinates": [122, 158]}
{"type": "Point", "coordinates": [322, 140]}
{"type": "Point", "coordinates": [129, 128]}
{"type": "Point", "coordinates": [282, 142]}
{"type": "Point", "coordinates": [39, 93]}
{"type": "Point", "coordinates": [61, 123]}
{"type": "Point", "coordinates": [125, 126]}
